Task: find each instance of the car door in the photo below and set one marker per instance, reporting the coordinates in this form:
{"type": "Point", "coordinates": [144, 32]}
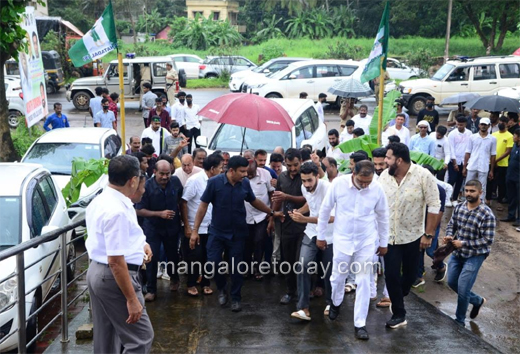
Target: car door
{"type": "Point", "coordinates": [192, 67]}
{"type": "Point", "coordinates": [159, 74]}
{"type": "Point", "coordinates": [319, 137]}
{"type": "Point", "coordinates": [240, 64]}
{"type": "Point", "coordinates": [485, 81]}
{"type": "Point", "coordinates": [112, 79]}
{"type": "Point", "coordinates": [304, 129]}
{"type": "Point", "coordinates": [457, 81]}
{"type": "Point", "coordinates": [394, 70]}
{"type": "Point", "coordinates": [326, 76]}
{"type": "Point", "coordinates": [509, 74]}
{"type": "Point", "coordinates": [299, 80]}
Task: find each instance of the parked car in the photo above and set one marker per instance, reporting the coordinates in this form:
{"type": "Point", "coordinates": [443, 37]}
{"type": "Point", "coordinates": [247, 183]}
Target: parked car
{"type": "Point", "coordinates": [31, 206]}
{"type": "Point", "coordinates": [482, 75]}
{"type": "Point", "coordinates": [215, 65]}
{"type": "Point", "coordinates": [14, 95]}
{"type": "Point", "coordinates": [511, 92]}
{"type": "Point", "coordinates": [82, 90]}
{"type": "Point", "coordinates": [56, 149]}
{"type": "Point", "coordinates": [398, 70]}
{"type": "Point", "coordinates": [268, 68]}
{"type": "Point", "coordinates": [311, 76]}
{"type": "Point", "coordinates": [308, 129]}
{"type": "Point", "coordinates": [190, 63]}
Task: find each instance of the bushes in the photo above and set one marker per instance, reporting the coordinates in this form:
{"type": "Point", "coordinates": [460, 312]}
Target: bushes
{"type": "Point", "coordinates": [342, 50]}
{"type": "Point", "coordinates": [23, 137]}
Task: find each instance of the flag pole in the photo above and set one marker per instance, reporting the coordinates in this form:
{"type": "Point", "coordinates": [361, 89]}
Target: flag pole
{"type": "Point", "coordinates": [121, 99]}
{"type": "Point", "coordinates": [381, 96]}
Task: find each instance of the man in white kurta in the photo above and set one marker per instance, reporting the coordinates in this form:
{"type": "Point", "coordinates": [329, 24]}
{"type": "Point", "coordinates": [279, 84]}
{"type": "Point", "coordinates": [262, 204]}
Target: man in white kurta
{"type": "Point", "coordinates": [361, 228]}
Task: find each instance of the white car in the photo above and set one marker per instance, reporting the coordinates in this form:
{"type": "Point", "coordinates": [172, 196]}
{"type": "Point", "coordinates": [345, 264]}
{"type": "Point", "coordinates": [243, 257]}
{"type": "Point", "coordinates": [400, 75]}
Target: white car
{"type": "Point", "coordinates": [308, 129]}
{"type": "Point", "coordinates": [268, 68]}
{"type": "Point", "coordinates": [31, 205]}
{"type": "Point", "coordinates": [511, 92]}
{"type": "Point", "coordinates": [14, 95]}
{"type": "Point", "coordinates": [56, 149]}
{"type": "Point", "coordinates": [399, 71]}
{"type": "Point", "coordinates": [190, 63]}
{"type": "Point", "coordinates": [311, 76]}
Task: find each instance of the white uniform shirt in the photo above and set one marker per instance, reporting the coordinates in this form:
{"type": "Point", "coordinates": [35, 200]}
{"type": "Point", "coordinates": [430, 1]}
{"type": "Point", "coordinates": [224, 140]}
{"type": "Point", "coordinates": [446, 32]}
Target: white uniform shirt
{"type": "Point", "coordinates": [183, 176]}
{"type": "Point", "coordinates": [113, 229]}
{"type": "Point", "coordinates": [314, 201]}
{"type": "Point", "coordinates": [157, 142]}
{"type": "Point", "coordinates": [178, 113]}
{"type": "Point", "coordinates": [481, 150]}
{"type": "Point", "coordinates": [193, 190]}
{"type": "Point", "coordinates": [361, 216]}
{"type": "Point", "coordinates": [191, 119]}
{"type": "Point", "coordinates": [458, 143]}
{"type": "Point", "coordinates": [442, 148]}
{"type": "Point", "coordinates": [261, 186]}
{"type": "Point", "coordinates": [363, 123]}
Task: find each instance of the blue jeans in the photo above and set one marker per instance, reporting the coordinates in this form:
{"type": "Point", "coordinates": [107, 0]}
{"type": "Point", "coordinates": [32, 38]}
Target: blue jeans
{"type": "Point", "coordinates": [429, 252]}
{"type": "Point", "coordinates": [170, 240]}
{"type": "Point", "coordinates": [462, 273]}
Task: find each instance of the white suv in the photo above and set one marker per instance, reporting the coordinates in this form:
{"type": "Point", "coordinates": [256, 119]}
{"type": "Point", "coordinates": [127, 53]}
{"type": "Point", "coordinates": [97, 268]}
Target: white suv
{"type": "Point", "coordinates": [14, 95]}
{"type": "Point", "coordinates": [482, 75]}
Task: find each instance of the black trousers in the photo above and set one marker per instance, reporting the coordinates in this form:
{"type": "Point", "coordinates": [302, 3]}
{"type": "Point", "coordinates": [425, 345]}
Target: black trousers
{"type": "Point", "coordinates": [440, 174]}
{"type": "Point", "coordinates": [193, 134]}
{"type": "Point", "coordinates": [255, 245]}
{"type": "Point", "coordinates": [170, 240]}
{"type": "Point", "coordinates": [291, 244]}
{"type": "Point", "coordinates": [196, 259]}
{"type": "Point", "coordinates": [513, 199]}
{"type": "Point", "coordinates": [401, 263]}
{"type": "Point", "coordinates": [498, 182]}
{"type": "Point", "coordinates": [455, 179]}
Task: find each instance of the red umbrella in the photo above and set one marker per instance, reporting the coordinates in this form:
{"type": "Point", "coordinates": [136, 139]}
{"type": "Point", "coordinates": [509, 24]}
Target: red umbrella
{"type": "Point", "coordinates": [248, 111]}
{"type": "Point", "coordinates": [517, 52]}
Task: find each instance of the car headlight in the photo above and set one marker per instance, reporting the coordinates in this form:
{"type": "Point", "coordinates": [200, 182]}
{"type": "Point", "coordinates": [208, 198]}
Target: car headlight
{"type": "Point", "coordinates": [256, 86]}
{"type": "Point", "coordinates": [84, 202]}
{"type": "Point", "coordinates": [8, 293]}
{"type": "Point", "coordinates": [406, 89]}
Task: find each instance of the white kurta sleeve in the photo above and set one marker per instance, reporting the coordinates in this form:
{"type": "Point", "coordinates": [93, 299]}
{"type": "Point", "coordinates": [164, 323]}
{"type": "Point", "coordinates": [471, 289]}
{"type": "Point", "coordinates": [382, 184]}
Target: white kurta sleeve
{"type": "Point", "coordinates": [325, 211]}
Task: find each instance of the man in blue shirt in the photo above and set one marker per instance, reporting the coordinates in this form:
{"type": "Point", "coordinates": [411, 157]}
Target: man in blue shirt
{"type": "Point", "coordinates": [423, 142]}
{"type": "Point", "coordinates": [105, 118]}
{"type": "Point", "coordinates": [228, 229]}
{"type": "Point", "coordinates": [56, 120]}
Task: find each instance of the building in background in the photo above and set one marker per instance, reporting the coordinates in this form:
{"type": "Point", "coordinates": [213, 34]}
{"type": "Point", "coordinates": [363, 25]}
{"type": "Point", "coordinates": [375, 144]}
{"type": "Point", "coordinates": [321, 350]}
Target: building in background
{"type": "Point", "coordinates": [40, 10]}
{"type": "Point", "coordinates": [217, 10]}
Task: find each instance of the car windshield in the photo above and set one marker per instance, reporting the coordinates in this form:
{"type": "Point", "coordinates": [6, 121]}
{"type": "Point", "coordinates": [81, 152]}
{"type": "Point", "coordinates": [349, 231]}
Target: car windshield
{"type": "Point", "coordinates": [442, 72]}
{"type": "Point", "coordinates": [261, 68]}
{"type": "Point", "coordinates": [57, 157]}
{"type": "Point", "coordinates": [9, 222]}
{"type": "Point", "coordinates": [229, 138]}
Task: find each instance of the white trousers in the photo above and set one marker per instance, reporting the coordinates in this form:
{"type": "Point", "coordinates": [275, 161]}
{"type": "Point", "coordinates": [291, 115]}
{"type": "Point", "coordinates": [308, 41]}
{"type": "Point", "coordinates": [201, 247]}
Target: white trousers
{"type": "Point", "coordinates": [482, 177]}
{"type": "Point", "coordinates": [341, 267]}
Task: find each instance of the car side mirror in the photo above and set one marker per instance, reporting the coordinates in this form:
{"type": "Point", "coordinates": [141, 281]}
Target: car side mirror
{"type": "Point", "coordinates": [292, 77]}
{"type": "Point", "coordinates": [266, 71]}
{"type": "Point", "coordinates": [202, 141]}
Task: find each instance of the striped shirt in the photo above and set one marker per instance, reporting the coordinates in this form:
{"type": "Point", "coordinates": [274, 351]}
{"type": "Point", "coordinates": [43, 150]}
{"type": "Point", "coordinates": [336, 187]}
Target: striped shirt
{"type": "Point", "coordinates": [475, 228]}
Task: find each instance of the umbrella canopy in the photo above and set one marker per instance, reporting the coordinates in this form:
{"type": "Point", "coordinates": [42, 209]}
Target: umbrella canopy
{"type": "Point", "coordinates": [494, 103]}
{"type": "Point", "coordinates": [459, 98]}
{"type": "Point", "coordinates": [517, 52]}
{"type": "Point", "coordinates": [350, 88]}
{"type": "Point", "coordinates": [248, 111]}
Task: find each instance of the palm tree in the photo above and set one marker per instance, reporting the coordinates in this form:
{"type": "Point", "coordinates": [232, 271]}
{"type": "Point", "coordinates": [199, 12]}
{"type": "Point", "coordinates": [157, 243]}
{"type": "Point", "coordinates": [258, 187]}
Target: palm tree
{"type": "Point", "coordinates": [271, 29]}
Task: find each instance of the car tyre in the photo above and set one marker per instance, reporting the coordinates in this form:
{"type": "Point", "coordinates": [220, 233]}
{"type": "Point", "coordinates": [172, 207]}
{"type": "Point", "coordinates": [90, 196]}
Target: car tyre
{"type": "Point", "coordinates": [182, 78]}
{"type": "Point", "coordinates": [71, 268]}
{"type": "Point", "coordinates": [273, 95]}
{"type": "Point", "coordinates": [211, 76]}
{"type": "Point", "coordinates": [81, 100]}
{"type": "Point", "coordinates": [416, 105]}
{"type": "Point", "coordinates": [14, 118]}
{"type": "Point", "coordinates": [32, 324]}
{"type": "Point", "coordinates": [51, 88]}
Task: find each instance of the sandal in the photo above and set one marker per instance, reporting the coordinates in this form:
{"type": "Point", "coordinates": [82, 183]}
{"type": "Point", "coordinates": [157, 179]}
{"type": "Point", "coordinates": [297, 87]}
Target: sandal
{"type": "Point", "coordinates": [207, 290]}
{"type": "Point", "coordinates": [349, 288]}
{"type": "Point", "coordinates": [384, 302]}
{"type": "Point", "coordinates": [192, 291]}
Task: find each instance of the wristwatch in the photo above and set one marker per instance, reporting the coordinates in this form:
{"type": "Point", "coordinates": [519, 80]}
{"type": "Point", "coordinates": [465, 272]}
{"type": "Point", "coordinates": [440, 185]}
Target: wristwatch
{"type": "Point", "coordinates": [429, 237]}
{"type": "Point", "coordinates": [272, 212]}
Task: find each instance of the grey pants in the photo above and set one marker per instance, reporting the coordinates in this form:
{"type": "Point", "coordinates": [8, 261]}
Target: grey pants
{"type": "Point", "coordinates": [277, 249]}
{"type": "Point", "coordinates": [109, 313]}
{"type": "Point", "coordinates": [482, 177]}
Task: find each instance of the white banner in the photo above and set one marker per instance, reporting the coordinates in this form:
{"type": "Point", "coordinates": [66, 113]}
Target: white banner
{"type": "Point", "coordinates": [32, 74]}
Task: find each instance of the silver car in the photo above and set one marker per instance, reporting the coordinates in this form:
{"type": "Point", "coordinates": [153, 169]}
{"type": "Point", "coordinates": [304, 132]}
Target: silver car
{"type": "Point", "coordinates": [213, 67]}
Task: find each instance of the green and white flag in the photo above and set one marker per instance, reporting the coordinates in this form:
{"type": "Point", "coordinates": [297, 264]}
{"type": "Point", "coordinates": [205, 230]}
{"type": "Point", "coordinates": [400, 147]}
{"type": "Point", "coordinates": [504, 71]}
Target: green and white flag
{"type": "Point", "coordinates": [379, 50]}
{"type": "Point", "coordinates": [96, 43]}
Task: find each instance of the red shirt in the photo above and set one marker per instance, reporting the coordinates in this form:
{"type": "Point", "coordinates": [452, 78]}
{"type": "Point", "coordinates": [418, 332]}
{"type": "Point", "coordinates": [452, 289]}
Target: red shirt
{"type": "Point", "coordinates": [165, 118]}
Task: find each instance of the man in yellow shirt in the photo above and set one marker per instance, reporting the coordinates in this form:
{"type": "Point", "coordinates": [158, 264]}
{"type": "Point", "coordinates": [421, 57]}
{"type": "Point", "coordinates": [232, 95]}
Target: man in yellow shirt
{"type": "Point", "coordinates": [504, 147]}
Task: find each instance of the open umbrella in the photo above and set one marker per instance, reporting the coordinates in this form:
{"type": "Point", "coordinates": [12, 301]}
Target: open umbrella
{"type": "Point", "coordinates": [494, 103]}
{"type": "Point", "coordinates": [350, 88]}
{"type": "Point", "coordinates": [248, 111]}
{"type": "Point", "coordinates": [459, 98]}
{"type": "Point", "coordinates": [517, 52]}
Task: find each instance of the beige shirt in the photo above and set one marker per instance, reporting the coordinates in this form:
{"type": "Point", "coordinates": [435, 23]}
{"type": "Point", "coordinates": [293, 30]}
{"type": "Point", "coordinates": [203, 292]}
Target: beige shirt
{"type": "Point", "coordinates": [171, 76]}
{"type": "Point", "coordinates": [407, 202]}
{"type": "Point", "coordinates": [183, 176]}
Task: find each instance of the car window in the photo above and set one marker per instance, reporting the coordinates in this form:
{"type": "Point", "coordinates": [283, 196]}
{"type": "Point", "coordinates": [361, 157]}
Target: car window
{"type": "Point", "coordinates": [113, 70]}
{"type": "Point", "coordinates": [459, 74]}
{"type": "Point", "coordinates": [159, 69]}
{"type": "Point", "coordinates": [241, 62]}
{"type": "Point", "coordinates": [442, 72]}
{"type": "Point", "coordinates": [39, 217]}
{"type": "Point", "coordinates": [112, 146]}
{"type": "Point", "coordinates": [315, 120]}
{"type": "Point", "coordinates": [9, 222]}
{"type": "Point", "coordinates": [191, 60]}
{"type": "Point", "coordinates": [392, 64]}
{"type": "Point", "coordinates": [484, 72]}
{"type": "Point", "coordinates": [49, 194]}
{"type": "Point", "coordinates": [346, 70]}
{"type": "Point", "coordinates": [327, 71]}
{"type": "Point", "coordinates": [179, 59]}
{"type": "Point", "coordinates": [302, 73]}
{"type": "Point", "coordinates": [277, 67]}
{"type": "Point", "coordinates": [229, 138]}
{"type": "Point", "coordinates": [303, 128]}
{"type": "Point", "coordinates": [509, 71]}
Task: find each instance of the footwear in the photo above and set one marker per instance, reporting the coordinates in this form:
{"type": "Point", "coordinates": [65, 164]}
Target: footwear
{"type": "Point", "coordinates": [285, 299]}
{"type": "Point", "coordinates": [207, 290]}
{"type": "Point", "coordinates": [235, 306]}
{"type": "Point", "coordinates": [192, 291]}
{"type": "Point", "coordinates": [350, 287]}
{"type": "Point", "coordinates": [301, 315]}
{"type": "Point", "coordinates": [174, 286]}
{"type": "Point", "coordinates": [518, 229]}
{"type": "Point", "coordinates": [396, 322]}
{"type": "Point", "coordinates": [149, 297]}
{"type": "Point", "coordinates": [361, 333]}
{"type": "Point", "coordinates": [333, 312]}
{"type": "Point", "coordinates": [441, 274]}
{"type": "Point", "coordinates": [418, 283]}
{"type": "Point", "coordinates": [507, 220]}
{"type": "Point", "coordinates": [222, 297]}
{"type": "Point", "coordinates": [476, 309]}
{"type": "Point", "coordinates": [327, 310]}
{"type": "Point", "coordinates": [384, 302]}
{"type": "Point", "coordinates": [159, 273]}
{"type": "Point", "coordinates": [165, 276]}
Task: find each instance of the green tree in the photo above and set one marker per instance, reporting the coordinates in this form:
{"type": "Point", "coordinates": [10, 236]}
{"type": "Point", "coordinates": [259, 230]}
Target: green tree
{"type": "Point", "coordinates": [314, 24]}
{"type": "Point", "coordinates": [293, 6]}
{"type": "Point", "coordinates": [152, 22]}
{"type": "Point", "coordinates": [271, 29]}
{"type": "Point", "coordinates": [343, 20]}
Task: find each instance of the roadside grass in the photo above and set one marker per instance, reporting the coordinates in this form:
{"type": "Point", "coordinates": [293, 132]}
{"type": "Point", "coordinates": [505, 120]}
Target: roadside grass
{"type": "Point", "coordinates": [207, 83]}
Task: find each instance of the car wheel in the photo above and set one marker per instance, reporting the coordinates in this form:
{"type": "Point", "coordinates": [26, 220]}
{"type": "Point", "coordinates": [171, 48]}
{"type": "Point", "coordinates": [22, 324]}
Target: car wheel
{"type": "Point", "coordinates": [81, 100]}
{"type": "Point", "coordinates": [50, 89]}
{"type": "Point", "coordinates": [273, 95]}
{"type": "Point", "coordinates": [76, 73]}
{"type": "Point", "coordinates": [211, 76]}
{"type": "Point", "coordinates": [71, 268]}
{"type": "Point", "coordinates": [14, 118]}
{"type": "Point", "coordinates": [182, 78]}
{"type": "Point", "coordinates": [32, 324]}
{"type": "Point", "coordinates": [337, 103]}
{"type": "Point", "coordinates": [416, 105]}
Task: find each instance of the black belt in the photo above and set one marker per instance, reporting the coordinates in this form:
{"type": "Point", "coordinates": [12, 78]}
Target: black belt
{"type": "Point", "coordinates": [131, 267]}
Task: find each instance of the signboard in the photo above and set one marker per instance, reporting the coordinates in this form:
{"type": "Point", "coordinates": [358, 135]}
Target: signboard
{"type": "Point", "coordinates": [32, 74]}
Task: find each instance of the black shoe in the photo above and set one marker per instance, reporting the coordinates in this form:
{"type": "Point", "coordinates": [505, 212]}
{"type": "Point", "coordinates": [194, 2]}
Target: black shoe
{"type": "Point", "coordinates": [476, 309]}
{"type": "Point", "coordinates": [396, 322]}
{"type": "Point", "coordinates": [508, 220]}
{"type": "Point", "coordinates": [285, 299]}
{"type": "Point", "coordinates": [441, 274]}
{"type": "Point", "coordinates": [361, 333]}
{"type": "Point", "coordinates": [222, 297]}
{"type": "Point", "coordinates": [333, 312]}
{"type": "Point", "coordinates": [418, 282]}
{"type": "Point", "coordinates": [516, 224]}
{"type": "Point", "coordinates": [235, 306]}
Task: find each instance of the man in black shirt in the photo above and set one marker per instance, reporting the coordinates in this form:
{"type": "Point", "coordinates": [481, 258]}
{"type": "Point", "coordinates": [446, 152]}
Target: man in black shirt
{"type": "Point", "coordinates": [288, 195]}
{"type": "Point", "coordinates": [429, 114]}
{"type": "Point", "coordinates": [473, 121]}
{"type": "Point", "coordinates": [513, 182]}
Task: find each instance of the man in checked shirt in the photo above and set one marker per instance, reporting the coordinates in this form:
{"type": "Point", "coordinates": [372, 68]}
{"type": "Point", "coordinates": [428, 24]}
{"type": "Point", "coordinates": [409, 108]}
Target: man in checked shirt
{"type": "Point", "coordinates": [471, 231]}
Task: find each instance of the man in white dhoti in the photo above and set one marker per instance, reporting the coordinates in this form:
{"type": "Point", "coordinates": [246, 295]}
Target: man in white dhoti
{"type": "Point", "coordinates": [360, 230]}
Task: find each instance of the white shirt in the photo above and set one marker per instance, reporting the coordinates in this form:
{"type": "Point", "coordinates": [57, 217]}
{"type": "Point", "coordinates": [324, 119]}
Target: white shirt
{"type": "Point", "coordinates": [178, 113]}
{"type": "Point", "coordinates": [363, 123]}
{"type": "Point", "coordinates": [458, 143]}
{"type": "Point", "coordinates": [157, 143]}
{"type": "Point", "coordinates": [403, 134]}
{"type": "Point", "coordinates": [191, 119]}
{"type": "Point", "coordinates": [261, 186]}
{"type": "Point", "coordinates": [345, 136]}
{"type": "Point", "coordinates": [314, 201]}
{"type": "Point", "coordinates": [193, 190]}
{"type": "Point", "coordinates": [337, 154]}
{"type": "Point", "coordinates": [442, 148]}
{"type": "Point", "coordinates": [319, 109]}
{"type": "Point", "coordinates": [113, 229]}
{"type": "Point", "coordinates": [362, 216]}
{"type": "Point", "coordinates": [481, 150]}
{"type": "Point", "coordinates": [95, 105]}
{"type": "Point", "coordinates": [183, 176]}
